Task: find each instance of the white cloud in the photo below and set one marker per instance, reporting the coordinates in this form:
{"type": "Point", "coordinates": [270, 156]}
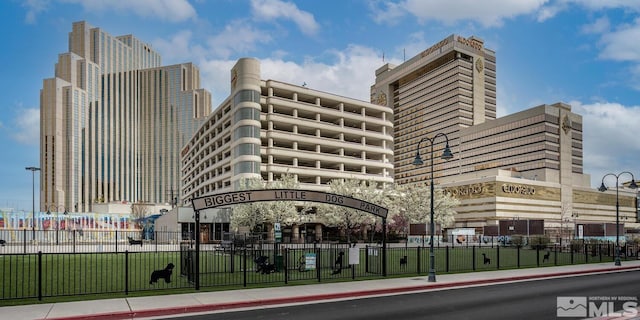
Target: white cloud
{"type": "Point", "coordinates": [601, 25]}
{"type": "Point", "coordinates": [549, 11]}
{"type": "Point", "coordinates": [622, 44]}
{"type": "Point", "coordinates": [350, 69]}
{"type": "Point", "coordinates": [27, 126]}
{"type": "Point", "coordinates": [610, 140]}
{"type": "Point", "coordinates": [489, 13]}
{"type": "Point", "coordinates": [169, 10]}
{"type": "Point", "coordinates": [350, 75]}
{"type": "Point", "coordinates": [237, 37]}
{"type": "Point", "coordinates": [390, 13]}
{"type": "Point", "coordinates": [606, 4]}
{"type": "Point", "coordinates": [178, 48]}
{"type": "Point", "coordinates": [276, 9]}
{"type": "Point", "coordinates": [34, 7]}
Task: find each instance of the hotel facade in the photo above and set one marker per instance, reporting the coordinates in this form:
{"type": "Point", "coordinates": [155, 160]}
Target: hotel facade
{"type": "Point", "coordinates": [521, 167]}
{"type": "Point", "coordinates": [113, 120]}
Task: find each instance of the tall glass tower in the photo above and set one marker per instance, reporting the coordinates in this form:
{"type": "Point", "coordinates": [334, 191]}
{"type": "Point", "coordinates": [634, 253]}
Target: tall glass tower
{"type": "Point", "coordinates": [112, 122]}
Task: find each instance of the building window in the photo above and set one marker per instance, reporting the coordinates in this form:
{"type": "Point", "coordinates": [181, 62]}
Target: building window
{"type": "Point", "coordinates": [246, 95]}
{"type": "Point", "coordinates": [247, 149]}
{"type": "Point", "coordinates": [247, 114]}
{"type": "Point", "coordinates": [246, 167]}
{"type": "Point", "coordinates": [247, 131]}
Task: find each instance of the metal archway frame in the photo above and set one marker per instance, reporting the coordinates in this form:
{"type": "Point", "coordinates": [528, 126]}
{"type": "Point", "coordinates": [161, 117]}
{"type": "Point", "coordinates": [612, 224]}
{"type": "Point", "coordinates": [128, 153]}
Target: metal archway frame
{"type": "Point", "coordinates": [249, 196]}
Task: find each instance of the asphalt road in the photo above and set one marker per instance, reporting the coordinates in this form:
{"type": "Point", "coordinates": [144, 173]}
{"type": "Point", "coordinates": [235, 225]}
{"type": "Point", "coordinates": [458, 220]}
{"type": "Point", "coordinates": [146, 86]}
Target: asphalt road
{"type": "Point", "coordinates": [521, 300]}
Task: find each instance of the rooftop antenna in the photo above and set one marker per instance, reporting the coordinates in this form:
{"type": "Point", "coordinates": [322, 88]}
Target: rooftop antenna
{"type": "Point", "coordinates": [404, 54]}
{"type": "Point", "coordinates": [382, 56]}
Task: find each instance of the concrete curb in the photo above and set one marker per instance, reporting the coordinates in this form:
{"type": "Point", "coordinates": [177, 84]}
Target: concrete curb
{"type": "Point", "coordinates": [320, 297]}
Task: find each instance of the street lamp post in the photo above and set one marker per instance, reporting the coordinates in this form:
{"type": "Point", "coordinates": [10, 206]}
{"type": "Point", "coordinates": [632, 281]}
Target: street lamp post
{"type": "Point", "coordinates": [446, 155]}
{"type": "Point", "coordinates": [57, 211]}
{"type": "Point", "coordinates": [33, 200]}
{"type": "Point", "coordinates": [603, 188]}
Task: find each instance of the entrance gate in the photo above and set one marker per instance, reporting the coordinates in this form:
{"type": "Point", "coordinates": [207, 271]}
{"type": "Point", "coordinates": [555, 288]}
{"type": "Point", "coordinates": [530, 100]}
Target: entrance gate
{"type": "Point", "coordinates": [248, 196]}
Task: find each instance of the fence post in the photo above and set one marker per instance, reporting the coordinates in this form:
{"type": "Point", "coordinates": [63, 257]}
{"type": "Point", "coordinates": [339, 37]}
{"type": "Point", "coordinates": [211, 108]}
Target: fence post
{"type": "Point", "coordinates": [600, 251]}
{"type": "Point", "coordinates": [537, 256]}
{"type": "Point", "coordinates": [571, 249]}
{"type": "Point", "coordinates": [284, 265]}
{"type": "Point", "coordinates": [74, 240]}
{"type": "Point", "coordinates": [418, 259]}
{"type": "Point", "coordinates": [446, 254]}
{"type": "Point", "coordinates": [497, 256]}
{"type": "Point", "coordinates": [117, 241]}
{"type": "Point", "coordinates": [586, 253]}
{"type": "Point", "coordinates": [126, 271]}
{"type": "Point", "coordinates": [24, 240]}
{"type": "Point", "coordinates": [518, 254]}
{"type": "Point", "coordinates": [555, 255]}
{"type": "Point", "coordinates": [244, 276]}
{"type": "Point", "coordinates": [366, 259]}
{"type": "Point", "coordinates": [319, 261]}
{"type": "Point", "coordinates": [39, 274]}
{"type": "Point", "coordinates": [473, 258]}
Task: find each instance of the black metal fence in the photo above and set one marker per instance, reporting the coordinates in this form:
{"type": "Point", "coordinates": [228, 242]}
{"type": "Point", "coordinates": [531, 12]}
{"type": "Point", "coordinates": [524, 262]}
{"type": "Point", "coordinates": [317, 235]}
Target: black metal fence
{"type": "Point", "coordinates": [108, 267]}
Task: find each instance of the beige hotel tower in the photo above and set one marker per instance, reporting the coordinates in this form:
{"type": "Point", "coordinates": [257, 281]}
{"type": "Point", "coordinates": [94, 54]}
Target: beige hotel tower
{"type": "Point", "coordinates": [113, 120]}
{"type": "Point", "coordinates": [521, 167]}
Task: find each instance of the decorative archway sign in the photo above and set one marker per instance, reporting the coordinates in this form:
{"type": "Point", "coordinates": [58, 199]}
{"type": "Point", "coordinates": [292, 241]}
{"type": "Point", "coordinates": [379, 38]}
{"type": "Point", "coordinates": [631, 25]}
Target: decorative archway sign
{"type": "Point", "coordinates": [248, 196]}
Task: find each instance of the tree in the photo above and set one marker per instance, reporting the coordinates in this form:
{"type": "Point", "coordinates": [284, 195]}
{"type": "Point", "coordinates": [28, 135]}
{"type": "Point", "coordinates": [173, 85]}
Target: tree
{"type": "Point", "coordinates": [253, 214]}
{"type": "Point", "coordinates": [346, 218]}
{"type": "Point", "coordinates": [413, 202]}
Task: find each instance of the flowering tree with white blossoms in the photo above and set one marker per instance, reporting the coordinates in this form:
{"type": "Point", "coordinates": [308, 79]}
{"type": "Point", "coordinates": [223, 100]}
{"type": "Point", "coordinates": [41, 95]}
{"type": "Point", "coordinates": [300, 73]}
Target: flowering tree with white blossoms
{"type": "Point", "coordinates": [414, 201]}
{"type": "Point", "coordinates": [253, 214]}
{"type": "Point", "coordinates": [347, 218]}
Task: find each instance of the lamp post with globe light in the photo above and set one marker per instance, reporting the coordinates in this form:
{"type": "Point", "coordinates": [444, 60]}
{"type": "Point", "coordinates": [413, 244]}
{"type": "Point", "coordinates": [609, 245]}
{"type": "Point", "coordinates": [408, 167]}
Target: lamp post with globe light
{"type": "Point", "coordinates": [604, 188]}
{"type": "Point", "coordinates": [446, 155]}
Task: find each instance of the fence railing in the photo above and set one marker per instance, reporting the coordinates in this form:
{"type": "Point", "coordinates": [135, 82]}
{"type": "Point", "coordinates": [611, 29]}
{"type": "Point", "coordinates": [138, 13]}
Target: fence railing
{"type": "Point", "coordinates": [115, 266]}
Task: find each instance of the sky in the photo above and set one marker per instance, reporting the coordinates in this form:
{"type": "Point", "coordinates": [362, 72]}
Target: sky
{"type": "Point", "coordinates": [582, 52]}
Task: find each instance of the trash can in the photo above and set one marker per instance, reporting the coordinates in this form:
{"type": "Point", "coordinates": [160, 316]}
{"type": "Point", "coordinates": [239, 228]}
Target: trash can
{"type": "Point", "coordinates": [279, 263]}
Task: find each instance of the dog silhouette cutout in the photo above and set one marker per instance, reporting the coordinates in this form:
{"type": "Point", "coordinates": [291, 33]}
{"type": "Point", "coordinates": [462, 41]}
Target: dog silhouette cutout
{"type": "Point", "coordinates": [2, 242]}
{"type": "Point", "coordinates": [162, 274]}
{"type": "Point", "coordinates": [403, 261]}
{"type": "Point", "coordinates": [133, 241]}
{"type": "Point", "coordinates": [486, 259]}
{"type": "Point", "coordinates": [546, 256]}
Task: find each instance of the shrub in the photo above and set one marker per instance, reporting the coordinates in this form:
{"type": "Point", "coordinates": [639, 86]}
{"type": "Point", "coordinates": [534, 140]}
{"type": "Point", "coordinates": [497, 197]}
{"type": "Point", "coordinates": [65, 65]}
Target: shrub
{"type": "Point", "coordinates": [539, 241]}
{"type": "Point", "coordinates": [517, 240]}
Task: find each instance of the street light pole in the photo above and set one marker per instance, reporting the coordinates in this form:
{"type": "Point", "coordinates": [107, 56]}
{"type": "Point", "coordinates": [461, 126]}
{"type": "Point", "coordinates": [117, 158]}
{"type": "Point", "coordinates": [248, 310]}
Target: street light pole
{"type": "Point", "coordinates": [603, 188]}
{"type": "Point", "coordinates": [446, 155]}
{"type": "Point", "coordinates": [33, 200]}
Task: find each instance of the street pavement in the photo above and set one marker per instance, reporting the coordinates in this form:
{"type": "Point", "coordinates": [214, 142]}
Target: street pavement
{"type": "Point", "coordinates": [151, 307]}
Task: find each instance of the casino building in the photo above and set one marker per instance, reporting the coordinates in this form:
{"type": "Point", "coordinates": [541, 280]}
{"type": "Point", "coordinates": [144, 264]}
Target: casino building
{"type": "Point", "coordinates": [520, 168]}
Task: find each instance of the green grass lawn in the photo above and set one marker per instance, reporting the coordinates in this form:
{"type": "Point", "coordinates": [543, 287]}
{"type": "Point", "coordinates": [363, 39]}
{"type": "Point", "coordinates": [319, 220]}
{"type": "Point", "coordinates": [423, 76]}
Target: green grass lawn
{"type": "Point", "coordinates": [82, 276]}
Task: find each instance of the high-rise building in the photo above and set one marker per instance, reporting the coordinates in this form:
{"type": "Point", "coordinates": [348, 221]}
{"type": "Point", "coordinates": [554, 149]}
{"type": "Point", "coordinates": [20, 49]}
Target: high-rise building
{"type": "Point", "coordinates": [446, 88]}
{"type": "Point", "coordinates": [113, 120]}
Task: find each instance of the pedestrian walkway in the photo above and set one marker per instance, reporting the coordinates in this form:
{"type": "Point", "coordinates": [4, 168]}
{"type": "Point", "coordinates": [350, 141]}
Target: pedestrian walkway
{"type": "Point", "coordinates": [167, 305]}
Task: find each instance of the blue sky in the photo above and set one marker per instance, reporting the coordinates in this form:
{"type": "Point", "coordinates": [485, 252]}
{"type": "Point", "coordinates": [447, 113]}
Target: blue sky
{"type": "Point", "coordinates": [582, 52]}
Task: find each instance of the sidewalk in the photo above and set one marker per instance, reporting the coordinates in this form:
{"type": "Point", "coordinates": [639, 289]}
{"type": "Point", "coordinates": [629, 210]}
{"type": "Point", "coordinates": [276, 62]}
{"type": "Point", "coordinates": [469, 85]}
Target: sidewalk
{"type": "Point", "coordinates": [166, 305]}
